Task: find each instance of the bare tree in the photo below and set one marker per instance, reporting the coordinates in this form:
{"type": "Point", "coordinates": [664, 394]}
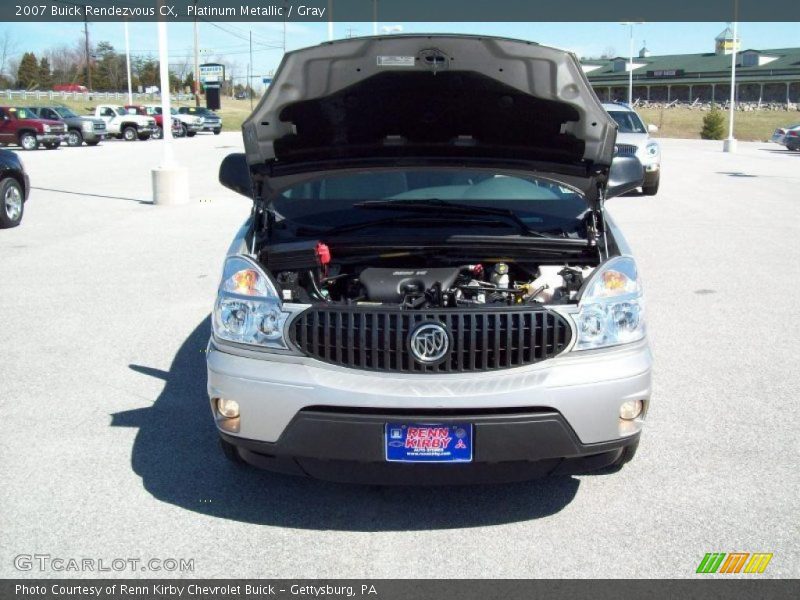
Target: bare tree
{"type": "Point", "coordinates": [8, 46]}
{"type": "Point", "coordinates": [183, 65]}
{"type": "Point", "coordinates": [609, 52]}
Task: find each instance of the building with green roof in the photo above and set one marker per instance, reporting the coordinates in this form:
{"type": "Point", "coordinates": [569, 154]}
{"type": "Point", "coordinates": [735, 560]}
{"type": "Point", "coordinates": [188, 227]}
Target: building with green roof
{"type": "Point", "coordinates": [762, 76]}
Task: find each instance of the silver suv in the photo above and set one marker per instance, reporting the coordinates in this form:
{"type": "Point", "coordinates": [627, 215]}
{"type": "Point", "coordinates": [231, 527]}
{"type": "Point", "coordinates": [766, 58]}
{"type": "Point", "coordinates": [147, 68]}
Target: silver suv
{"type": "Point", "coordinates": [429, 289]}
{"type": "Point", "coordinates": [633, 139]}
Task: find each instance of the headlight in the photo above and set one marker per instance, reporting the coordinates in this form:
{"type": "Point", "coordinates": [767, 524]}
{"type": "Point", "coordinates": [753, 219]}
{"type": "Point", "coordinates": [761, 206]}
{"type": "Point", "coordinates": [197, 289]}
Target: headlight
{"type": "Point", "coordinates": [248, 309]}
{"type": "Point", "coordinates": [652, 149]}
{"type": "Point", "coordinates": [46, 128]}
{"type": "Point", "coordinates": [611, 309]}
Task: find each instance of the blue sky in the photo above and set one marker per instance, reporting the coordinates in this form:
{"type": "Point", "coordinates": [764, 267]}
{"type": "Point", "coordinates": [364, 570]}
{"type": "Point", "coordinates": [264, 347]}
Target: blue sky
{"type": "Point", "coordinates": [229, 40]}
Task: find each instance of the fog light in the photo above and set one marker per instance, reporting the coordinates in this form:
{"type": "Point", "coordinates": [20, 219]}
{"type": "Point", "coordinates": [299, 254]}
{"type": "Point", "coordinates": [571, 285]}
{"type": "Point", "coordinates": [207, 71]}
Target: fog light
{"type": "Point", "coordinates": [228, 408]}
{"type": "Point", "coordinates": [631, 409]}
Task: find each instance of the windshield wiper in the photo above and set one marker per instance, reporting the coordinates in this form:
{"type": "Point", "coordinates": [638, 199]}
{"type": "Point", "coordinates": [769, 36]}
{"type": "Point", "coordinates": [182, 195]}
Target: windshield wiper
{"type": "Point", "coordinates": [436, 204]}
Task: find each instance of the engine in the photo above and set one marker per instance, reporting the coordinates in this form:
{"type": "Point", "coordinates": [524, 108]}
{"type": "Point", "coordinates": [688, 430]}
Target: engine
{"type": "Point", "coordinates": [306, 272]}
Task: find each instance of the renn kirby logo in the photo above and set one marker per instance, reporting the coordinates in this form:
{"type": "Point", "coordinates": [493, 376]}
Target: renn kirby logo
{"type": "Point", "coordinates": [428, 437]}
{"type": "Point", "coordinates": [735, 562]}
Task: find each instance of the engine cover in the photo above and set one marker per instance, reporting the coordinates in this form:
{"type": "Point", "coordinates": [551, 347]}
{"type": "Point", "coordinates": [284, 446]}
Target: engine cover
{"type": "Point", "coordinates": [391, 285]}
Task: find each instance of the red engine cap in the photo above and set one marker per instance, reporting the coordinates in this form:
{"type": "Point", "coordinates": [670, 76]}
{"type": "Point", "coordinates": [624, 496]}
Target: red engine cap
{"type": "Point", "coordinates": [323, 253]}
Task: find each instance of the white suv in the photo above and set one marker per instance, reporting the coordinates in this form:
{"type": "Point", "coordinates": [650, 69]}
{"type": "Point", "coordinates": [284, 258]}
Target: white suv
{"type": "Point", "coordinates": [633, 139]}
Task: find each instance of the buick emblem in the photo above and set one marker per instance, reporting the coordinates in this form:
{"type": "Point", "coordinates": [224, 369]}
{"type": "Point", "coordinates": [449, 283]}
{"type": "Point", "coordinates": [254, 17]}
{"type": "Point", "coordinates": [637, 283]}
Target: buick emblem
{"type": "Point", "coordinates": [429, 343]}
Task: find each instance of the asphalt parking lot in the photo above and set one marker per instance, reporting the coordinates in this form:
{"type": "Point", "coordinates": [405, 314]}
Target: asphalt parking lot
{"type": "Point", "coordinates": [108, 449]}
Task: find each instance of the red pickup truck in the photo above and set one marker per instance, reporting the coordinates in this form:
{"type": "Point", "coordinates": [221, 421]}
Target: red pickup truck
{"type": "Point", "coordinates": [138, 109]}
{"type": "Point", "coordinates": [20, 126]}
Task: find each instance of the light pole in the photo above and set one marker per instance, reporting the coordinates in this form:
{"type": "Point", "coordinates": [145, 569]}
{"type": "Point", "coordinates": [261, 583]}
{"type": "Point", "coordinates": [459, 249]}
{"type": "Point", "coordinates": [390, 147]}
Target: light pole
{"type": "Point", "coordinates": [630, 24]}
{"type": "Point", "coordinates": [374, 17]}
{"type": "Point", "coordinates": [128, 62]}
{"type": "Point", "coordinates": [330, 20]}
{"type": "Point", "coordinates": [196, 77]}
{"type": "Point", "coordinates": [170, 181]}
{"type": "Point", "coordinates": [250, 74]}
{"type": "Point", "coordinates": [729, 145]}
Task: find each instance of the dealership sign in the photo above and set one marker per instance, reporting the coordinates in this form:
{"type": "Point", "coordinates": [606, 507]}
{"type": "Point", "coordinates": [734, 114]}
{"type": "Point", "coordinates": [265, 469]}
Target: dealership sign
{"type": "Point", "coordinates": [212, 73]}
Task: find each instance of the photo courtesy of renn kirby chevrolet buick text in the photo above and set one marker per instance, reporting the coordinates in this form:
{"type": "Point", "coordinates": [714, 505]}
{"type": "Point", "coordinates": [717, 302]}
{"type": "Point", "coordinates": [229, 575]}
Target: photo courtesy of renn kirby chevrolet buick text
{"type": "Point", "coordinates": [428, 288]}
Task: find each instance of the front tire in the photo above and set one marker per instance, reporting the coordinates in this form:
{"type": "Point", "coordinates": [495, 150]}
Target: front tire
{"type": "Point", "coordinates": [230, 452]}
{"type": "Point", "coordinates": [217, 131]}
{"type": "Point", "coordinates": [652, 189]}
{"type": "Point", "coordinates": [158, 133]}
{"type": "Point", "coordinates": [93, 143]}
{"type": "Point", "coordinates": [28, 141]}
{"type": "Point", "coordinates": [144, 136]}
{"type": "Point", "coordinates": [52, 145]}
{"type": "Point", "coordinates": [628, 452]}
{"type": "Point", "coordinates": [184, 130]}
{"type": "Point", "coordinates": [191, 133]}
{"type": "Point", "coordinates": [74, 139]}
{"type": "Point", "coordinates": [12, 203]}
{"type": "Point", "coordinates": [129, 134]}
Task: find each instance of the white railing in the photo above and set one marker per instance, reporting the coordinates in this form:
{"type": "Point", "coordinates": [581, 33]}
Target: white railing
{"type": "Point", "coordinates": [23, 95]}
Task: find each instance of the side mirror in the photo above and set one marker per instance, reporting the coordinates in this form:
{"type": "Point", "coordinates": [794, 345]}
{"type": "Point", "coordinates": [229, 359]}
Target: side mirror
{"type": "Point", "coordinates": [652, 128]}
{"type": "Point", "coordinates": [234, 174]}
{"type": "Point", "coordinates": [625, 175]}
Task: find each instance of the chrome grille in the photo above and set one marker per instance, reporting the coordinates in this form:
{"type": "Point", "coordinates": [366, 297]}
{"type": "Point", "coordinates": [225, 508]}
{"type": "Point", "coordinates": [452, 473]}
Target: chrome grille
{"type": "Point", "coordinates": [625, 149]}
{"type": "Point", "coordinates": [480, 340]}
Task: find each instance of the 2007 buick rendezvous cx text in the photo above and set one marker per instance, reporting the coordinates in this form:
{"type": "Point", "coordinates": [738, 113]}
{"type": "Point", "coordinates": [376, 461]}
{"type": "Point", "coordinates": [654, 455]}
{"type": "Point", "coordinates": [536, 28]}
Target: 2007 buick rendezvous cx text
{"type": "Point", "coordinates": [428, 289]}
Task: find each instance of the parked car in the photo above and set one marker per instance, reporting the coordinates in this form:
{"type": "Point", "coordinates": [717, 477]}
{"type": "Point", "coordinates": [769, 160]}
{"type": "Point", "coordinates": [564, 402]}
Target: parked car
{"type": "Point", "coordinates": [211, 120]}
{"type": "Point", "coordinates": [190, 124]}
{"type": "Point", "coordinates": [22, 127]}
{"type": "Point", "coordinates": [633, 139]}
{"type": "Point", "coordinates": [779, 136]}
{"type": "Point", "coordinates": [139, 109]}
{"type": "Point", "coordinates": [123, 125]}
{"type": "Point", "coordinates": [79, 129]}
{"type": "Point", "coordinates": [792, 139]}
{"type": "Point", "coordinates": [14, 189]}
{"type": "Point", "coordinates": [429, 288]}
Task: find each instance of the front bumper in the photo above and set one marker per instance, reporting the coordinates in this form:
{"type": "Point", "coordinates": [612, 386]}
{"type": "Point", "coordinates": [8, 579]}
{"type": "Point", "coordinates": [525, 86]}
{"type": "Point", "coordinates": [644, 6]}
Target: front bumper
{"type": "Point", "coordinates": [49, 138]}
{"type": "Point", "coordinates": [569, 404]}
{"type": "Point", "coordinates": [212, 126]}
{"type": "Point", "coordinates": [92, 136]}
{"type": "Point", "coordinates": [348, 447]}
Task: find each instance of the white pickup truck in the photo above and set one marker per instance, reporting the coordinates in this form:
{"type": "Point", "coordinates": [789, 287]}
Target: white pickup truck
{"type": "Point", "coordinates": [121, 124]}
{"type": "Point", "coordinates": [190, 124]}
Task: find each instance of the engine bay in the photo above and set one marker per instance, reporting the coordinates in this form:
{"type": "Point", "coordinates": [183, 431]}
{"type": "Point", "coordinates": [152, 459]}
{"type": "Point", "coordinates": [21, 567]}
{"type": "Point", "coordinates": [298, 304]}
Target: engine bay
{"type": "Point", "coordinates": [307, 272]}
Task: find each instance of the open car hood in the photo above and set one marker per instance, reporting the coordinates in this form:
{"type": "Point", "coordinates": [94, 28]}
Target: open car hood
{"type": "Point", "coordinates": [430, 99]}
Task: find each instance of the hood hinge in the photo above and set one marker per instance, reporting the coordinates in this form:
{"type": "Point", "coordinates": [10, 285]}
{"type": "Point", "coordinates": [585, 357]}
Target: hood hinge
{"type": "Point", "coordinates": [599, 217]}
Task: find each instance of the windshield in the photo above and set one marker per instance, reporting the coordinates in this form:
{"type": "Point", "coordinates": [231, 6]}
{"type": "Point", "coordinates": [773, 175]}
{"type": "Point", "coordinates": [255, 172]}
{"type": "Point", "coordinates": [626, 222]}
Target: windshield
{"type": "Point", "coordinates": [122, 112]}
{"type": "Point", "coordinates": [314, 206]}
{"type": "Point", "coordinates": [22, 113]}
{"type": "Point", "coordinates": [629, 122]}
{"type": "Point", "coordinates": [65, 113]}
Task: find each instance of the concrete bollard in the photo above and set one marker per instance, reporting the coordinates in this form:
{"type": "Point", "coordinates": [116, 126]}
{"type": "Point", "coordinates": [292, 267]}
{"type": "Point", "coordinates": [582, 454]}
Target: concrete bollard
{"type": "Point", "coordinates": [170, 186]}
{"type": "Point", "coordinates": [729, 145]}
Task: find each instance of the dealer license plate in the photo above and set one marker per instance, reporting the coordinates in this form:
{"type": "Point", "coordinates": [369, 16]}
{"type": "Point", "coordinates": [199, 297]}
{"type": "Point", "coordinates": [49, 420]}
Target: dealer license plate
{"type": "Point", "coordinates": [428, 442]}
